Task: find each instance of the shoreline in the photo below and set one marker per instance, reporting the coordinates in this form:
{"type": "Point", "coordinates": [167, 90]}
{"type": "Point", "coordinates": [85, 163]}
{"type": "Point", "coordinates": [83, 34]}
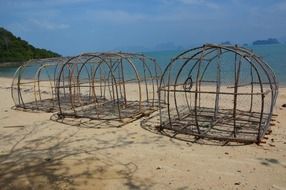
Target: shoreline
{"type": "Point", "coordinates": [10, 64]}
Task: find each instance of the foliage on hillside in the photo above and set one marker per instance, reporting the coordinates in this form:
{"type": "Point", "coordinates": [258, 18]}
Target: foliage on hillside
{"type": "Point", "coordinates": [14, 49]}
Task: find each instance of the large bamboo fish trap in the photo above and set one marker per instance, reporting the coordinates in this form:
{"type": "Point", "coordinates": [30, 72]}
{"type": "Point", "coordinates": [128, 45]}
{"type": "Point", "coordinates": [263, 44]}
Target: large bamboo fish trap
{"type": "Point", "coordinates": [108, 86]}
{"type": "Point", "coordinates": [33, 85]}
{"type": "Point", "coordinates": [218, 92]}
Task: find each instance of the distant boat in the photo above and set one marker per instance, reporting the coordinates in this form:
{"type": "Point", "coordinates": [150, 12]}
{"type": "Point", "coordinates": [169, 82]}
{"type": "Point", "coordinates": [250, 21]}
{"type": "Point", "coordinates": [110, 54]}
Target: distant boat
{"type": "Point", "coordinates": [226, 43]}
{"type": "Point", "coordinates": [266, 42]}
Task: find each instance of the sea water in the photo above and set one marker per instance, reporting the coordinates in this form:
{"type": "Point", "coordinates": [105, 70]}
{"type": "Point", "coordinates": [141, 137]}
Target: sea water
{"type": "Point", "coordinates": [274, 55]}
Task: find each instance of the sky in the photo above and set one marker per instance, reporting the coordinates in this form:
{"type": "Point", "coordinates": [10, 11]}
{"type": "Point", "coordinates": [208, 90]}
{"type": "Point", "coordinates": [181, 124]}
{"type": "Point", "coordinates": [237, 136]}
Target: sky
{"type": "Point", "coordinates": [70, 27]}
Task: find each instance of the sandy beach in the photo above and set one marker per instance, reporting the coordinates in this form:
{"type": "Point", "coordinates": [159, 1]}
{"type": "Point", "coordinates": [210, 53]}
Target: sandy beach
{"type": "Point", "coordinates": [38, 153]}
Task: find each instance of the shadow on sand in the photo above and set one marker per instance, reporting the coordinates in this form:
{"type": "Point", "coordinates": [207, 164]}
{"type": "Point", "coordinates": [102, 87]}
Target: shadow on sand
{"type": "Point", "coordinates": [90, 123]}
{"type": "Point", "coordinates": [42, 157]}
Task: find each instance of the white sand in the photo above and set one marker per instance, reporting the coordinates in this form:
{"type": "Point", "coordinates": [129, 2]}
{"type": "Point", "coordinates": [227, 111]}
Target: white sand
{"type": "Point", "coordinates": [37, 153]}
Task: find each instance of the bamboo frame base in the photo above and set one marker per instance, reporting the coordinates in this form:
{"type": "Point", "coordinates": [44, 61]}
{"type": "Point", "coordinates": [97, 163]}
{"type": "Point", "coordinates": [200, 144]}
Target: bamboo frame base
{"type": "Point", "coordinates": [219, 128]}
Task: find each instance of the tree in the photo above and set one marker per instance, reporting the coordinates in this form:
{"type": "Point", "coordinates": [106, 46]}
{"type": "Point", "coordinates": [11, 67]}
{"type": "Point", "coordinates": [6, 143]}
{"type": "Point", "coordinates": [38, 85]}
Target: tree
{"type": "Point", "coordinates": [14, 49]}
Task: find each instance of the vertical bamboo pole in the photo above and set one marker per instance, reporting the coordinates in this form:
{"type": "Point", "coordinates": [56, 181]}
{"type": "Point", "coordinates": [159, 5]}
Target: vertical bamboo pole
{"type": "Point", "coordinates": [251, 96]}
{"type": "Point", "coordinates": [218, 84]}
{"type": "Point", "coordinates": [237, 74]}
{"type": "Point", "coordinates": [123, 82]}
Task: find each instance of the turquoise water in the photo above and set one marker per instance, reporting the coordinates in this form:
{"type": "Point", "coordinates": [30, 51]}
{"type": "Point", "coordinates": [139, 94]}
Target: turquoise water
{"type": "Point", "coordinates": [7, 71]}
{"type": "Point", "coordinates": [274, 55]}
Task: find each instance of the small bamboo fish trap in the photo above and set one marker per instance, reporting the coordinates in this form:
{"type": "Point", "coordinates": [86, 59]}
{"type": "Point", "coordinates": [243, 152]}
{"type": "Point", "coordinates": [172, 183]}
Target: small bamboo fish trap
{"type": "Point", "coordinates": [218, 92]}
{"type": "Point", "coordinates": [33, 85]}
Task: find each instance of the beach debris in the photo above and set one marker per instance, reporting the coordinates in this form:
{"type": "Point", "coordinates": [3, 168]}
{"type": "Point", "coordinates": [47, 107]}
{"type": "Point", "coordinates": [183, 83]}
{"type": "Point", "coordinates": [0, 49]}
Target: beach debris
{"type": "Point", "coordinates": [48, 159]}
{"type": "Point", "coordinates": [14, 126]}
{"type": "Point", "coordinates": [189, 144]}
{"type": "Point", "coordinates": [268, 132]}
{"type": "Point", "coordinates": [45, 92]}
{"type": "Point", "coordinates": [237, 183]}
{"type": "Point", "coordinates": [271, 145]}
{"type": "Point", "coordinates": [219, 92]}
{"type": "Point", "coordinates": [284, 105]}
{"type": "Point", "coordinates": [262, 142]}
{"type": "Point", "coordinates": [27, 90]}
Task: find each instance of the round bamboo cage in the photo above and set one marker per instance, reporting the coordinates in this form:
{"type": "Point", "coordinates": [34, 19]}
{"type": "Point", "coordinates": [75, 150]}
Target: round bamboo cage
{"type": "Point", "coordinates": [108, 86]}
{"type": "Point", "coordinates": [218, 92]}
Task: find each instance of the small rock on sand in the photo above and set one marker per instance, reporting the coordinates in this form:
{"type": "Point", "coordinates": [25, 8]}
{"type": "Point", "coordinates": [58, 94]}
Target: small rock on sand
{"type": "Point", "coordinates": [48, 159]}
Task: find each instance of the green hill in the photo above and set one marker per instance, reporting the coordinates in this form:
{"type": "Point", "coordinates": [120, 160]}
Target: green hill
{"type": "Point", "coordinates": [14, 49]}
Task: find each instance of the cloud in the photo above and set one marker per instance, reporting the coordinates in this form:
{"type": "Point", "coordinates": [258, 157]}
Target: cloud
{"type": "Point", "coordinates": [124, 17]}
{"type": "Point", "coordinates": [116, 16]}
{"type": "Point", "coordinates": [206, 3]}
{"type": "Point", "coordinates": [193, 1]}
{"type": "Point", "coordinates": [43, 3]}
{"type": "Point", "coordinates": [127, 17]}
{"type": "Point", "coordinates": [35, 24]}
{"type": "Point", "coordinates": [280, 6]}
{"type": "Point", "coordinates": [48, 25]}
{"type": "Point", "coordinates": [17, 26]}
